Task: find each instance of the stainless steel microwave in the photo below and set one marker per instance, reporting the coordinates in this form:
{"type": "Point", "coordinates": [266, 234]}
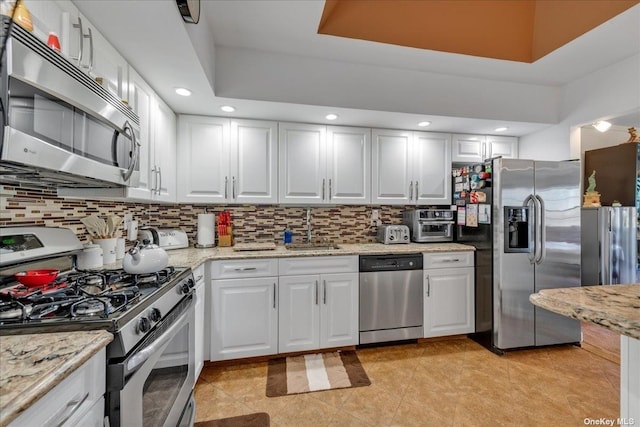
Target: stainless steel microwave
{"type": "Point", "coordinates": [60, 128]}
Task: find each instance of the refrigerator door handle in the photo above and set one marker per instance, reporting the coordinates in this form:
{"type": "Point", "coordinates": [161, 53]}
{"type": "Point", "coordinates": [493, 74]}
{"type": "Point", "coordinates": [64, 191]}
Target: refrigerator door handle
{"type": "Point", "coordinates": [542, 236]}
{"type": "Point", "coordinates": [532, 227]}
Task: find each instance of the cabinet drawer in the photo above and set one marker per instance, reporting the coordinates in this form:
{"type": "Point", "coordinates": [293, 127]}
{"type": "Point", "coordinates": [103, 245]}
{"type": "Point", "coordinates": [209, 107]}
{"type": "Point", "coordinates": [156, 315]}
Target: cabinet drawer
{"type": "Point", "coordinates": [318, 265]}
{"type": "Point", "coordinates": [237, 269]}
{"type": "Point", "coordinates": [68, 402]}
{"type": "Point", "coordinates": [448, 259]}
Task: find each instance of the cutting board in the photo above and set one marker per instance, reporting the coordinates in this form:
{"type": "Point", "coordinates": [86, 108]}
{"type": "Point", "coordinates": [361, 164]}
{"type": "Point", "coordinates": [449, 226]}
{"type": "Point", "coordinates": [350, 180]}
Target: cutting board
{"type": "Point", "coordinates": [266, 246]}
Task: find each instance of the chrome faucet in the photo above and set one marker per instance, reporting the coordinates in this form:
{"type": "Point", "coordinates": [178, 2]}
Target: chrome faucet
{"type": "Point", "coordinates": [308, 225]}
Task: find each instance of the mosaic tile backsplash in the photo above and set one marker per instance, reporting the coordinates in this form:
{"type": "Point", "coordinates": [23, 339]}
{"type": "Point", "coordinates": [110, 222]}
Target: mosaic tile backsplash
{"type": "Point", "coordinates": [252, 223]}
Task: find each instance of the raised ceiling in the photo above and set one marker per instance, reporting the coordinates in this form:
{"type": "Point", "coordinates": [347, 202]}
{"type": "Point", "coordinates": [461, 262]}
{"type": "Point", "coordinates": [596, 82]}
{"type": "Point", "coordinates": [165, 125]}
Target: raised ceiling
{"type": "Point", "coordinates": [523, 31]}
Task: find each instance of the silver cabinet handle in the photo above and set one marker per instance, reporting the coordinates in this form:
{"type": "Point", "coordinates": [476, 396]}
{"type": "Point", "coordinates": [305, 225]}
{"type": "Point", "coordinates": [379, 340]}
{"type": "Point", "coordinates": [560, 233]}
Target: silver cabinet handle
{"type": "Point", "coordinates": [451, 260]}
{"type": "Point", "coordinates": [428, 286]}
{"type": "Point", "coordinates": [153, 187]}
{"type": "Point", "coordinates": [274, 294]}
{"type": "Point", "coordinates": [135, 149]}
{"type": "Point", "coordinates": [323, 184]}
{"type": "Point", "coordinates": [324, 292]}
{"type": "Point", "coordinates": [90, 37]}
{"type": "Point", "coordinates": [490, 150]}
{"type": "Point", "coordinates": [411, 191]}
{"type": "Point", "coordinates": [329, 188]}
{"type": "Point", "coordinates": [160, 180]}
{"type": "Point", "coordinates": [226, 187]}
{"type": "Point", "coordinates": [245, 269]}
{"type": "Point", "coordinates": [484, 150]}
{"type": "Point", "coordinates": [233, 188]}
{"type": "Point", "coordinates": [81, 41]}
{"type": "Point", "coordinates": [71, 409]}
{"type": "Point", "coordinates": [417, 191]}
{"type": "Point", "coordinates": [199, 278]}
{"type": "Point", "coordinates": [316, 285]}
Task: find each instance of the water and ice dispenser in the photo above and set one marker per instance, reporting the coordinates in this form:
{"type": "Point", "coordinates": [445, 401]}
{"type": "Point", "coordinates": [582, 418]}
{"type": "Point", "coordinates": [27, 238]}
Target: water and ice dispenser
{"type": "Point", "coordinates": [516, 229]}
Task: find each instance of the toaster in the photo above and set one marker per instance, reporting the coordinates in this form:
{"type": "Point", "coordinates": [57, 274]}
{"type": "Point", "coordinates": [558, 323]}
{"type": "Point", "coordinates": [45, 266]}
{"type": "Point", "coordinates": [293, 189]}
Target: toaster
{"type": "Point", "coordinates": [391, 234]}
{"type": "Point", "coordinates": [166, 238]}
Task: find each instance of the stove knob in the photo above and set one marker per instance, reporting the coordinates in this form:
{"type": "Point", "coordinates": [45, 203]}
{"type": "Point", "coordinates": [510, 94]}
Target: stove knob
{"type": "Point", "coordinates": [144, 325]}
{"type": "Point", "coordinates": [155, 315]}
{"type": "Point", "coordinates": [405, 237]}
{"type": "Point", "coordinates": [184, 288]}
{"type": "Point", "coordinates": [191, 283]}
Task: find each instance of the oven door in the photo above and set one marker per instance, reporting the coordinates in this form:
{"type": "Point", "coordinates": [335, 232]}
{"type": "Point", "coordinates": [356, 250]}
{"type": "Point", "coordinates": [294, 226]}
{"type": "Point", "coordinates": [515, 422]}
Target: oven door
{"type": "Point", "coordinates": [152, 386]}
{"type": "Point", "coordinates": [435, 231]}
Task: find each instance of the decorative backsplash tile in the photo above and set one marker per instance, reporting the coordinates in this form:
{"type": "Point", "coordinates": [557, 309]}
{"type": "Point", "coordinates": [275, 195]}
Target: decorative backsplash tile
{"type": "Point", "coordinates": [252, 223]}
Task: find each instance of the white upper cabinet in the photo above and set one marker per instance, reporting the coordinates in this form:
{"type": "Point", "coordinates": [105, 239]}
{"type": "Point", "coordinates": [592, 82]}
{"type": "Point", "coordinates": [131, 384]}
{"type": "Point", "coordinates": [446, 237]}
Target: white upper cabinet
{"type": "Point", "coordinates": [254, 162]}
{"type": "Point", "coordinates": [477, 148]}
{"type": "Point", "coordinates": [411, 167]}
{"type": "Point", "coordinates": [348, 165]}
{"type": "Point", "coordinates": [503, 146]}
{"type": "Point", "coordinates": [320, 164]}
{"type": "Point", "coordinates": [226, 161]}
{"type": "Point", "coordinates": [164, 152]}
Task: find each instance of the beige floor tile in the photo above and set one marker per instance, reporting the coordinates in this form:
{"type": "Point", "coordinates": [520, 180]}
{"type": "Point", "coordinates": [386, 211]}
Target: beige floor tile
{"type": "Point", "coordinates": [444, 383]}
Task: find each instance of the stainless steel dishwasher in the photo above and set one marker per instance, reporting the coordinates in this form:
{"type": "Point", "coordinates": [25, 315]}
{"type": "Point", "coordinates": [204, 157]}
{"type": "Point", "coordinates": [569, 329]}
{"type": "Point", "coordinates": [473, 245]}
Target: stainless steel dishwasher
{"type": "Point", "coordinates": [391, 301]}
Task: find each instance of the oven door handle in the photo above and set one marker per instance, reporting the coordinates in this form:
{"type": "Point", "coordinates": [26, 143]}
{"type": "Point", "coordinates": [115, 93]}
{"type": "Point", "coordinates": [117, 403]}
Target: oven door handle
{"type": "Point", "coordinates": [138, 359]}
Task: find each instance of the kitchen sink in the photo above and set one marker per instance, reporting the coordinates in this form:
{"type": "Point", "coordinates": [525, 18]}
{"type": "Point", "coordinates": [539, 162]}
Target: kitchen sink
{"type": "Point", "coordinates": [324, 246]}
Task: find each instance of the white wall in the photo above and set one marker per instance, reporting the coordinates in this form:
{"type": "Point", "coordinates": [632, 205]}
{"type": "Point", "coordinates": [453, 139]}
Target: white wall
{"type": "Point", "coordinates": [610, 92]}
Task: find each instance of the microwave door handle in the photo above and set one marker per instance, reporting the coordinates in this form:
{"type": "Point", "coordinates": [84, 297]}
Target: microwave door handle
{"type": "Point", "coordinates": [135, 151]}
{"type": "Point", "coordinates": [138, 359]}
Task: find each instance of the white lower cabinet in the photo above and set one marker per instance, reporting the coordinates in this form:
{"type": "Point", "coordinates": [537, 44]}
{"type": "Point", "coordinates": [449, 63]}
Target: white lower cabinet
{"type": "Point", "coordinates": [318, 310]}
{"type": "Point", "coordinates": [77, 401]}
{"type": "Point", "coordinates": [449, 302]}
{"type": "Point", "coordinates": [200, 344]}
{"type": "Point", "coordinates": [244, 311]}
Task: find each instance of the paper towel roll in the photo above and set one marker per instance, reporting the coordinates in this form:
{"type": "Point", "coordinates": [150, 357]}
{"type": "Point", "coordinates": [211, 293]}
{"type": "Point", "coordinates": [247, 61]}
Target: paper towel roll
{"type": "Point", "coordinates": [206, 230]}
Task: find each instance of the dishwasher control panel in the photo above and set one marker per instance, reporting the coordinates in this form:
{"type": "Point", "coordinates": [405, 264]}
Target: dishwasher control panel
{"type": "Point", "coordinates": [390, 262]}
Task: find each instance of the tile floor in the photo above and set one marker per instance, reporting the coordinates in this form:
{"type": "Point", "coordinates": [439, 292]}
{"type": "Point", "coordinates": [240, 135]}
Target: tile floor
{"type": "Point", "coordinates": [445, 383]}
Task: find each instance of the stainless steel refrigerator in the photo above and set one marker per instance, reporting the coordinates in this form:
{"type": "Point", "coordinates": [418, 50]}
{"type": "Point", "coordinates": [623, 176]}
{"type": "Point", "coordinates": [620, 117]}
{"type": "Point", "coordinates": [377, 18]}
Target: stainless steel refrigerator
{"type": "Point", "coordinates": [609, 245]}
{"type": "Point", "coordinates": [536, 245]}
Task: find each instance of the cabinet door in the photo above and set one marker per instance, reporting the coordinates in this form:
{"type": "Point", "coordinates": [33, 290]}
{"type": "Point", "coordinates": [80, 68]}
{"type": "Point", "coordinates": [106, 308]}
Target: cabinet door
{"type": "Point", "coordinates": [302, 167]}
{"type": "Point", "coordinates": [199, 327]}
{"type": "Point", "coordinates": [245, 318]}
{"type": "Point", "coordinates": [141, 96]}
{"type": "Point", "coordinates": [339, 310]}
{"type": "Point", "coordinates": [448, 302]}
{"type": "Point", "coordinates": [298, 313]}
{"type": "Point", "coordinates": [254, 165]}
{"type": "Point", "coordinates": [348, 165]}
{"type": "Point", "coordinates": [203, 159]}
{"type": "Point", "coordinates": [505, 146]}
{"type": "Point", "coordinates": [391, 167]}
{"type": "Point", "coordinates": [432, 168]}
{"type": "Point", "coordinates": [165, 152]}
{"type": "Point", "coordinates": [467, 148]}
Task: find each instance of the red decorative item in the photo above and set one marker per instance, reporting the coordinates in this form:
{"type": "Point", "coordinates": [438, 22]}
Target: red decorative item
{"type": "Point", "coordinates": [53, 42]}
{"type": "Point", "coordinates": [33, 278]}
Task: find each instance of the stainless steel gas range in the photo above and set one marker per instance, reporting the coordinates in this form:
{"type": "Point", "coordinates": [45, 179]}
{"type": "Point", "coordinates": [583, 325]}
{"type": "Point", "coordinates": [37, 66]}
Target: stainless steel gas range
{"type": "Point", "coordinates": [150, 372]}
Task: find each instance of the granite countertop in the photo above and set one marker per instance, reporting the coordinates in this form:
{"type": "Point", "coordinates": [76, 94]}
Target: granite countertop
{"type": "Point", "coordinates": [193, 257]}
{"type": "Point", "coordinates": [31, 365]}
{"type": "Point", "coordinates": [615, 307]}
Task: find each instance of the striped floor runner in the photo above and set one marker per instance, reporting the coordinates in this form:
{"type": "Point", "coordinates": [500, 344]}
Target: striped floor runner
{"type": "Point", "coordinates": [315, 372]}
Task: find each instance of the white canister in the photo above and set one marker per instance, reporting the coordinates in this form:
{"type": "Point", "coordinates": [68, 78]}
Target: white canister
{"type": "Point", "coordinates": [90, 258]}
{"type": "Point", "coordinates": [108, 249]}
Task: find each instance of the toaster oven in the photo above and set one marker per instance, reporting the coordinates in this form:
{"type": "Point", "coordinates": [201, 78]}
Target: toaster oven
{"type": "Point", "coordinates": [430, 225]}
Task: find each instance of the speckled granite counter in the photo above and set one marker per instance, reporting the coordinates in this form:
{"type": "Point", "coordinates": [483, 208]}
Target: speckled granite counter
{"type": "Point", "coordinates": [31, 365]}
{"type": "Point", "coordinates": [194, 257]}
{"type": "Point", "coordinates": [614, 307]}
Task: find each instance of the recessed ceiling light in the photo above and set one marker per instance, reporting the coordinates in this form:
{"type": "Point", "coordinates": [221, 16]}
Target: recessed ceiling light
{"type": "Point", "coordinates": [424, 124]}
{"type": "Point", "coordinates": [602, 125]}
{"type": "Point", "coordinates": [228, 108]}
{"type": "Point", "coordinates": [183, 91]}
{"type": "Point", "coordinates": [331, 116]}
{"type": "Point", "coordinates": [501, 129]}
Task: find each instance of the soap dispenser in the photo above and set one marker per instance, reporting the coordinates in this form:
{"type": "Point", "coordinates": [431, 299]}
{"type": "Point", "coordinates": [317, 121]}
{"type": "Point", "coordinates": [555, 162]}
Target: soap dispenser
{"type": "Point", "coordinates": [287, 236]}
